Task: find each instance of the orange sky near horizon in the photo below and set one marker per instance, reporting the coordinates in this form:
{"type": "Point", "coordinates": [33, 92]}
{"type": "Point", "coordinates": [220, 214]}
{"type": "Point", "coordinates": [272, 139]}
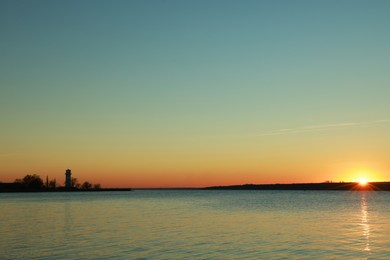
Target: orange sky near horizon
{"type": "Point", "coordinates": [204, 179]}
{"type": "Point", "coordinates": [275, 159]}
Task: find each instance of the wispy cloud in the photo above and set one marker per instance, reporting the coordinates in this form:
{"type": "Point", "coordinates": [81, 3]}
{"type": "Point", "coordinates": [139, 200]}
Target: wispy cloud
{"type": "Point", "coordinates": [321, 127]}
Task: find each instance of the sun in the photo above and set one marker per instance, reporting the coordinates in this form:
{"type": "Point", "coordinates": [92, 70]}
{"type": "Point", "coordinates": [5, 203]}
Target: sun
{"type": "Point", "coordinates": [363, 182]}
{"type": "Point", "coordinates": [364, 176]}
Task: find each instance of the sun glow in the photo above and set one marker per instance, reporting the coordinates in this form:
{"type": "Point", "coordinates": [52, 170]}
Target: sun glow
{"type": "Point", "coordinates": [363, 182]}
{"type": "Point", "coordinates": [362, 174]}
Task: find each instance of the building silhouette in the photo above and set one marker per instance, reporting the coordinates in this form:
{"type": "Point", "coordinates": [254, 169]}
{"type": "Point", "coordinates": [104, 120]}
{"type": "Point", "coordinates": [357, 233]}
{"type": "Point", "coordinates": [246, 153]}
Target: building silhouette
{"type": "Point", "coordinates": [68, 179]}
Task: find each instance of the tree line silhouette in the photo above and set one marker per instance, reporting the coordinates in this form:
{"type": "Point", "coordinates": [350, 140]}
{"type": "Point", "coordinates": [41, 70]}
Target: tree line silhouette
{"type": "Point", "coordinates": [35, 183]}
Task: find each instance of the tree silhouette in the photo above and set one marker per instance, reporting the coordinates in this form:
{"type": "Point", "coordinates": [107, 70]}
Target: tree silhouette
{"type": "Point", "coordinates": [53, 184]}
{"type": "Point", "coordinates": [32, 182]}
{"type": "Point", "coordinates": [86, 185]}
{"type": "Point", "coordinates": [74, 183]}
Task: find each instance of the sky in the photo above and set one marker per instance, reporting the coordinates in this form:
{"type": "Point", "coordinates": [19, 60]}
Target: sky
{"type": "Point", "coordinates": [195, 93]}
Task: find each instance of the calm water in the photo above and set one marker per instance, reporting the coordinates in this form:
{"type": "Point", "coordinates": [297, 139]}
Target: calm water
{"type": "Point", "coordinates": [196, 225]}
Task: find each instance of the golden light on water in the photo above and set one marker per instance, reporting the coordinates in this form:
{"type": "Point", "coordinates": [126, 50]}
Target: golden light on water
{"type": "Point", "coordinates": [365, 222]}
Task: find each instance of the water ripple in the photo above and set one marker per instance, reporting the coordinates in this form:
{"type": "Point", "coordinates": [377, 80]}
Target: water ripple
{"type": "Point", "coordinates": [196, 225]}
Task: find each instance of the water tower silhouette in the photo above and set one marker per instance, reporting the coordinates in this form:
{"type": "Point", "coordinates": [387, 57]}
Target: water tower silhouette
{"type": "Point", "coordinates": [68, 179]}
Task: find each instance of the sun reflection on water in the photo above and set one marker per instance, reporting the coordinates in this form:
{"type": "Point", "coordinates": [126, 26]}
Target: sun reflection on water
{"type": "Point", "coordinates": [365, 221]}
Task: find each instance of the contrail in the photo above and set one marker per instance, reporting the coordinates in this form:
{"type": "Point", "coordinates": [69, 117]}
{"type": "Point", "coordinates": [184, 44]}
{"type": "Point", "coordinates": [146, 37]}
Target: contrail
{"type": "Point", "coordinates": [311, 128]}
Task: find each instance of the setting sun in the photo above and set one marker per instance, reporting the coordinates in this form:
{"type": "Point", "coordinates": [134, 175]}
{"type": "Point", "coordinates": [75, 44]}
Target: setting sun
{"type": "Point", "coordinates": [363, 182]}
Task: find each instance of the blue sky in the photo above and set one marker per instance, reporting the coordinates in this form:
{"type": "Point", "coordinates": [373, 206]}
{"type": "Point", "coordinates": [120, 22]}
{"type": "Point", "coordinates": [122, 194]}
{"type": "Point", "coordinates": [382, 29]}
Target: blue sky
{"type": "Point", "coordinates": [155, 73]}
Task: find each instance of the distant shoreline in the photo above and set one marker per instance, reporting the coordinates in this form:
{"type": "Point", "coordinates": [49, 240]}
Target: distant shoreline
{"type": "Point", "coordinates": [10, 190]}
{"type": "Point", "coordinates": [378, 186]}
{"type": "Point", "coordinates": [328, 186]}
{"type": "Point", "coordinates": [372, 186]}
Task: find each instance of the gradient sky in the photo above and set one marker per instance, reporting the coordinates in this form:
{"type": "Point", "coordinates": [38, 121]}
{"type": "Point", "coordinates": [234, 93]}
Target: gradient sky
{"type": "Point", "coordinates": [195, 93]}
